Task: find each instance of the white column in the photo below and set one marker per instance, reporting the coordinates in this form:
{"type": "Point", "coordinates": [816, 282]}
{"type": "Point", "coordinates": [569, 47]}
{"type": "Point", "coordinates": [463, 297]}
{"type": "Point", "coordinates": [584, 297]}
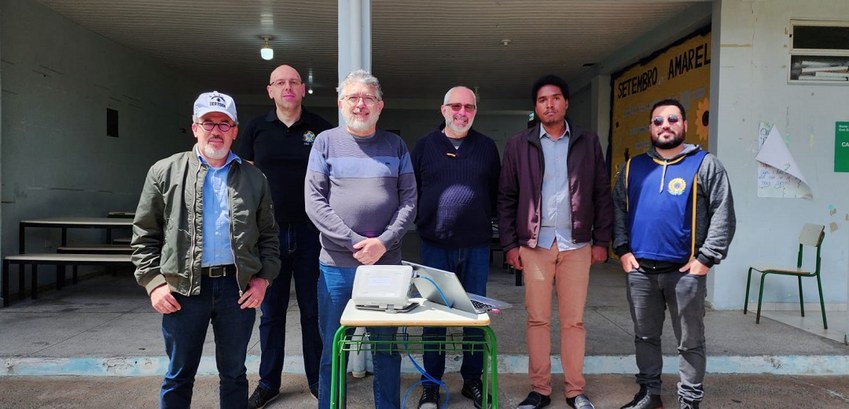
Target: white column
{"type": "Point", "coordinates": [354, 42]}
{"type": "Point", "coordinates": [354, 38]}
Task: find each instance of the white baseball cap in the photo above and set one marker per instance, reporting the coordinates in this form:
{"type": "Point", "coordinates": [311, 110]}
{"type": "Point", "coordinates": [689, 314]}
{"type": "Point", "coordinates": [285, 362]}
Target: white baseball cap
{"type": "Point", "coordinates": [215, 102]}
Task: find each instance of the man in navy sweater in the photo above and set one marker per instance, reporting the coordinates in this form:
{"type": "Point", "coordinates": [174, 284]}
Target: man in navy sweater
{"type": "Point", "coordinates": [457, 171]}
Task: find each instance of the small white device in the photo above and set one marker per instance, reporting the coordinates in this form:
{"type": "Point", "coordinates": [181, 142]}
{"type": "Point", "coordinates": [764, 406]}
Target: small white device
{"type": "Point", "coordinates": [383, 287]}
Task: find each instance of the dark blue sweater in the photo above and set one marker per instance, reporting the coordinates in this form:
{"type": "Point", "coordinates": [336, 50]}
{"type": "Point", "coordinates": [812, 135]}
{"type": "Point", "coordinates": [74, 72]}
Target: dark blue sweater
{"type": "Point", "coordinates": [457, 189]}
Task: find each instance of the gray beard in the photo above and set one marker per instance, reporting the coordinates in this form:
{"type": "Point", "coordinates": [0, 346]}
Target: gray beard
{"type": "Point", "coordinates": [458, 130]}
{"type": "Point", "coordinates": [212, 153]}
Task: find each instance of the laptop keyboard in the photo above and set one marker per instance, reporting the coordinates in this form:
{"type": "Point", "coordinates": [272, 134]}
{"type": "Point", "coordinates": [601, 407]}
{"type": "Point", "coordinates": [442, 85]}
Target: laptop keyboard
{"type": "Point", "coordinates": [481, 305]}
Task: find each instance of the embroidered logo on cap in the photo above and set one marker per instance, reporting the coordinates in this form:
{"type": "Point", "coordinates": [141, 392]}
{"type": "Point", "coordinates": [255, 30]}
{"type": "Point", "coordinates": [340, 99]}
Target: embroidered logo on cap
{"type": "Point", "coordinates": [218, 100]}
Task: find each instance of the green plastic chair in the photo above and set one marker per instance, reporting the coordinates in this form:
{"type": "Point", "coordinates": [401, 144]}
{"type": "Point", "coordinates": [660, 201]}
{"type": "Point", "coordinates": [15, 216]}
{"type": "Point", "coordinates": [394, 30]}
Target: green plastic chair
{"type": "Point", "coordinates": [811, 235]}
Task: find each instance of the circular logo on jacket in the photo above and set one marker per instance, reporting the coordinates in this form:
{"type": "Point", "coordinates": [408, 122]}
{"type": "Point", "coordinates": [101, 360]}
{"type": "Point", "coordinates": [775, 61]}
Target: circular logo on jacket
{"type": "Point", "coordinates": [676, 186]}
{"type": "Point", "coordinates": [309, 137]}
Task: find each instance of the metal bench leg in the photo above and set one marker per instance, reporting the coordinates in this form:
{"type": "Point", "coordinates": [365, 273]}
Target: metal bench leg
{"type": "Point", "coordinates": [822, 303]}
{"type": "Point", "coordinates": [746, 300]}
{"type": "Point", "coordinates": [60, 276]}
{"type": "Point", "coordinates": [22, 295]}
{"type": "Point", "coordinates": [34, 280]}
{"type": "Point", "coordinates": [760, 298]}
{"type": "Point", "coordinates": [5, 283]}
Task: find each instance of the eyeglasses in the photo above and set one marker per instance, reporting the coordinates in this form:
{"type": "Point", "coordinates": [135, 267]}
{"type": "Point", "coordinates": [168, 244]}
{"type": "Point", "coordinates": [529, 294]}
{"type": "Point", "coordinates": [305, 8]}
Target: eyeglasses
{"type": "Point", "coordinates": [209, 126]}
{"type": "Point", "coordinates": [658, 120]}
{"type": "Point", "coordinates": [367, 99]}
{"type": "Point", "coordinates": [457, 106]}
{"type": "Point", "coordinates": [292, 83]}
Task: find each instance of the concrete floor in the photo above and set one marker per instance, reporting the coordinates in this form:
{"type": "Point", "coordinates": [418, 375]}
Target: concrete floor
{"type": "Point", "coordinates": [606, 391]}
{"type": "Point", "coordinates": [98, 344]}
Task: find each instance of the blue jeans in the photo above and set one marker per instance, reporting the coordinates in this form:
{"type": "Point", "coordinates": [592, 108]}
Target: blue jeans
{"type": "Point", "coordinates": [649, 295]}
{"type": "Point", "coordinates": [472, 268]}
{"type": "Point", "coordinates": [334, 290]}
{"type": "Point", "coordinates": [299, 250]}
{"type": "Point", "coordinates": [184, 332]}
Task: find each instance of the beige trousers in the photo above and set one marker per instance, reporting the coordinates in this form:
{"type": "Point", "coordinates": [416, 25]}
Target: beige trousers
{"type": "Point", "coordinates": [566, 272]}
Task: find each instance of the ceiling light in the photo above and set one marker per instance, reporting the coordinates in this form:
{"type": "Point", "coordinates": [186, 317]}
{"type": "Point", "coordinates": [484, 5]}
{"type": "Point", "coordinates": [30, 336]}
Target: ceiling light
{"type": "Point", "coordinates": [266, 52]}
{"type": "Point", "coordinates": [505, 42]}
{"type": "Point", "coordinates": [309, 91]}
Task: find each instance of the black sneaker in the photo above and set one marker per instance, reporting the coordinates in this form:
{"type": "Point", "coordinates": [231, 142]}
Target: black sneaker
{"type": "Point", "coordinates": [644, 400]}
{"type": "Point", "coordinates": [314, 391]}
{"type": "Point", "coordinates": [535, 400]}
{"type": "Point", "coordinates": [261, 397]}
{"type": "Point", "coordinates": [430, 398]}
{"type": "Point", "coordinates": [580, 402]}
{"type": "Point", "coordinates": [473, 389]}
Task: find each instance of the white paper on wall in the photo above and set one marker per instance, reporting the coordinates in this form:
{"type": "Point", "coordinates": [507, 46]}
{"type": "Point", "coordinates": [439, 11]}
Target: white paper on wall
{"type": "Point", "coordinates": [778, 173]}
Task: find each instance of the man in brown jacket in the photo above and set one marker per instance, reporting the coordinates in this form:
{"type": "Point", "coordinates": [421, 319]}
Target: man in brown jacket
{"type": "Point", "coordinates": [555, 218]}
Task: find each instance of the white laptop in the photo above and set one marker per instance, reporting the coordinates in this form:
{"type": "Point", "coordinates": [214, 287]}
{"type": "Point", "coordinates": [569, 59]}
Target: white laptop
{"type": "Point", "coordinates": [430, 281]}
{"type": "Point", "coordinates": [383, 288]}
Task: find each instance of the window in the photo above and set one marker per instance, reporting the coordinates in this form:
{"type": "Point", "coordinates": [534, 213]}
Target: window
{"type": "Point", "coordinates": [819, 51]}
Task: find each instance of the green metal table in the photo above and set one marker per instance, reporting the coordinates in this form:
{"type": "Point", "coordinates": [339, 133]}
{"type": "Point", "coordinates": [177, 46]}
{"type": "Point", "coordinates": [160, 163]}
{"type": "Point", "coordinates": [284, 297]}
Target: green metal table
{"type": "Point", "coordinates": [427, 314]}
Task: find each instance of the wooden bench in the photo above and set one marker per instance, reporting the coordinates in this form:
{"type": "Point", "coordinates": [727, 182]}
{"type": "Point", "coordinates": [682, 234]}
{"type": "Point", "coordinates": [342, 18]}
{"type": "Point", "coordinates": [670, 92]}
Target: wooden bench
{"type": "Point", "coordinates": [59, 260]}
{"type": "Point", "coordinates": [93, 249]}
{"type": "Point", "coordinates": [96, 249]}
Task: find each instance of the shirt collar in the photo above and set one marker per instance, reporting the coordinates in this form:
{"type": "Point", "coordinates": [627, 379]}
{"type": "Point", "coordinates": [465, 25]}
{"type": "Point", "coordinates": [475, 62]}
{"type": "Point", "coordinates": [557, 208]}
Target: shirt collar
{"type": "Point", "coordinates": [272, 116]}
{"type": "Point", "coordinates": [566, 132]}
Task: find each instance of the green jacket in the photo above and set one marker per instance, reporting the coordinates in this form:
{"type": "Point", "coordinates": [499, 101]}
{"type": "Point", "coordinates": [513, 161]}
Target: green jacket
{"type": "Point", "coordinates": [168, 226]}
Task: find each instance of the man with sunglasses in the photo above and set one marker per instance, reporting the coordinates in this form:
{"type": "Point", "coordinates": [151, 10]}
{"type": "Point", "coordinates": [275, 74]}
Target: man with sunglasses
{"type": "Point", "coordinates": [361, 194]}
{"type": "Point", "coordinates": [279, 143]}
{"type": "Point", "coordinates": [674, 219]}
{"type": "Point", "coordinates": [456, 172]}
{"type": "Point", "coordinates": [205, 248]}
{"type": "Point", "coordinates": [555, 219]}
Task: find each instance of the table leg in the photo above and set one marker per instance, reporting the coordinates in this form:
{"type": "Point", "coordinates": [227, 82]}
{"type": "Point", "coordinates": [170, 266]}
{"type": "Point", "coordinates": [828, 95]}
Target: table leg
{"type": "Point", "coordinates": [22, 239]}
{"type": "Point", "coordinates": [491, 363]}
{"type": "Point", "coordinates": [337, 369]}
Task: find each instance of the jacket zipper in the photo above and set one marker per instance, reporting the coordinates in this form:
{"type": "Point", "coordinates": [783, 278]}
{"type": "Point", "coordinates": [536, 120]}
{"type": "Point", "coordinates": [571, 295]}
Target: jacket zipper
{"type": "Point", "coordinates": [230, 211]}
{"type": "Point", "coordinates": [194, 225]}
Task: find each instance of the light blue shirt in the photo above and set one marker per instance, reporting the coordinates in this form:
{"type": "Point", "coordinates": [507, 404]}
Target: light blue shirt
{"type": "Point", "coordinates": [217, 250]}
{"type": "Point", "coordinates": [556, 210]}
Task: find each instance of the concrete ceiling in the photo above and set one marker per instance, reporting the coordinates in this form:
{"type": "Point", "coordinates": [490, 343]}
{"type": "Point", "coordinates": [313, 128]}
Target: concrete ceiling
{"type": "Point", "coordinates": [420, 48]}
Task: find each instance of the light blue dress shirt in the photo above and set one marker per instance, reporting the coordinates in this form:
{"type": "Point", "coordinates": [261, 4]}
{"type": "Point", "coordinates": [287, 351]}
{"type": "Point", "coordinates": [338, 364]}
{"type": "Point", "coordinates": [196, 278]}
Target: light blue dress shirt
{"type": "Point", "coordinates": [556, 211]}
{"type": "Point", "coordinates": [217, 250]}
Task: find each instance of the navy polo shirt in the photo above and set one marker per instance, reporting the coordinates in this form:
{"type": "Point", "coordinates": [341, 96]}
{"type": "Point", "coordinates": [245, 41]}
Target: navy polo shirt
{"type": "Point", "coordinates": [282, 153]}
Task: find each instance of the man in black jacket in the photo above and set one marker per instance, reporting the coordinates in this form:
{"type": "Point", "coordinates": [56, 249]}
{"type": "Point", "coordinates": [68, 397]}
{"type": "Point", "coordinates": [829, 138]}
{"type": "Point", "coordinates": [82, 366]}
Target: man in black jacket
{"type": "Point", "coordinates": [279, 143]}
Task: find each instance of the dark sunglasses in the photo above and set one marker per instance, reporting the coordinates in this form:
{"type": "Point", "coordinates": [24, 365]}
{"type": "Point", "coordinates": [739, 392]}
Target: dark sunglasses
{"type": "Point", "coordinates": [456, 107]}
{"type": "Point", "coordinates": [658, 120]}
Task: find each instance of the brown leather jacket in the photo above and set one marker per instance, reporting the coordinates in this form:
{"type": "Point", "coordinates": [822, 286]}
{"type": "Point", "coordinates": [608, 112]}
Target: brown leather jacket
{"type": "Point", "coordinates": [520, 189]}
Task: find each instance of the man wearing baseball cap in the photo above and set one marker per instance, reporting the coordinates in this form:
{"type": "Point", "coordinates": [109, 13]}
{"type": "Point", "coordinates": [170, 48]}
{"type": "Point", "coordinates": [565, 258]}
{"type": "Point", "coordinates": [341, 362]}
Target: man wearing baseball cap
{"type": "Point", "coordinates": [205, 248]}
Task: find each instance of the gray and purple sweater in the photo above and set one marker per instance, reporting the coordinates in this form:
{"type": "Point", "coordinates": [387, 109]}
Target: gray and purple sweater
{"type": "Point", "coordinates": [358, 188]}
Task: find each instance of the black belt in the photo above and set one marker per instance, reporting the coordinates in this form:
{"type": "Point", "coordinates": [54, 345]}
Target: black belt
{"type": "Point", "coordinates": [219, 271]}
{"type": "Point", "coordinates": [656, 266]}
